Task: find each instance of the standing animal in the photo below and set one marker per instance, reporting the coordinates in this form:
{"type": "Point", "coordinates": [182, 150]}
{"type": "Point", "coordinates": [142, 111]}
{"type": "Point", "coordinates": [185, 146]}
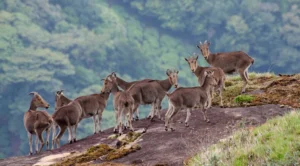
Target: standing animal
{"type": "Point", "coordinates": [123, 103]}
{"type": "Point", "coordinates": [229, 62]}
{"type": "Point", "coordinates": [70, 115]}
{"type": "Point", "coordinates": [125, 85]}
{"type": "Point", "coordinates": [199, 72]}
{"type": "Point", "coordinates": [60, 100]}
{"type": "Point", "coordinates": [36, 122]}
{"type": "Point", "coordinates": [153, 92]}
{"type": "Point", "coordinates": [190, 98]}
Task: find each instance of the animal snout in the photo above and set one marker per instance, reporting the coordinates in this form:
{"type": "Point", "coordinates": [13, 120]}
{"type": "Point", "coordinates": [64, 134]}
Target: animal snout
{"type": "Point", "coordinates": [193, 70]}
{"type": "Point", "coordinates": [176, 85]}
{"type": "Point", "coordinates": [47, 106]}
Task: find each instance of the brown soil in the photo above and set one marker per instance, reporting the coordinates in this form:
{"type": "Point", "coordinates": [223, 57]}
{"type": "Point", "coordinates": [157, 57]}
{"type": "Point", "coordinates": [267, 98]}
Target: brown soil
{"type": "Point", "coordinates": [170, 148]}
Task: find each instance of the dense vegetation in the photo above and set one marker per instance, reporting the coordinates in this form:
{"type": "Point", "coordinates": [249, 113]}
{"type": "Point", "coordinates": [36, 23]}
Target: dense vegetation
{"type": "Point", "coordinates": [47, 45]}
{"type": "Point", "coordinates": [274, 143]}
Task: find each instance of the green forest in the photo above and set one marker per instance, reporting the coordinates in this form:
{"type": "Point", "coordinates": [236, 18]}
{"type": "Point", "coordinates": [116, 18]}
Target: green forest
{"type": "Point", "coordinates": [48, 45]}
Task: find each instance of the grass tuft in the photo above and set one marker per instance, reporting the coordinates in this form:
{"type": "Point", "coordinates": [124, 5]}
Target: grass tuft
{"type": "Point", "coordinates": [241, 99]}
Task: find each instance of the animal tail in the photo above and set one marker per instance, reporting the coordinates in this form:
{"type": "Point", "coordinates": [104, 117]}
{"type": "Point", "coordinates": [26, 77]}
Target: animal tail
{"type": "Point", "coordinates": [252, 61]}
{"type": "Point", "coordinates": [126, 104]}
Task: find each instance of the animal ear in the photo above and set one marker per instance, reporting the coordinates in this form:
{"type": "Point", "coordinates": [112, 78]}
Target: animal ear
{"type": "Point", "coordinates": [186, 60]}
{"type": "Point", "coordinates": [114, 74]}
{"type": "Point", "coordinates": [197, 57]}
{"type": "Point", "coordinates": [177, 71]}
{"type": "Point", "coordinates": [208, 43]}
{"type": "Point", "coordinates": [103, 79]}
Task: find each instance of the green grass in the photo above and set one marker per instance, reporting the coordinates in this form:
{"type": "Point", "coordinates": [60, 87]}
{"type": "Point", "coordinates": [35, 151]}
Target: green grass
{"type": "Point", "coordinates": [240, 99]}
{"type": "Point", "coordinates": [277, 142]}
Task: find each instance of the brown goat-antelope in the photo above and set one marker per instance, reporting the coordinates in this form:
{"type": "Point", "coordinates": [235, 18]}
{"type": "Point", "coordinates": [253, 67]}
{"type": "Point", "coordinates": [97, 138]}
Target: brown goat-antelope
{"type": "Point", "coordinates": [153, 92]}
{"type": "Point", "coordinates": [70, 115]}
{"type": "Point", "coordinates": [125, 85]}
{"type": "Point", "coordinates": [199, 71]}
{"type": "Point", "coordinates": [190, 98]}
{"type": "Point", "coordinates": [36, 122]}
{"type": "Point", "coordinates": [60, 100]}
{"type": "Point", "coordinates": [229, 62]}
{"type": "Point", "coordinates": [123, 103]}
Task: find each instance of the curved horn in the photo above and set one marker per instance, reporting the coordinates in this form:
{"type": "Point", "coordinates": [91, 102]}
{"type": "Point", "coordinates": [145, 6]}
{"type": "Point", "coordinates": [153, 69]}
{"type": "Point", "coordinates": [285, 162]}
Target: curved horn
{"type": "Point", "coordinates": [205, 41]}
{"type": "Point", "coordinates": [200, 43]}
{"type": "Point", "coordinates": [168, 72]}
{"type": "Point", "coordinates": [32, 93]}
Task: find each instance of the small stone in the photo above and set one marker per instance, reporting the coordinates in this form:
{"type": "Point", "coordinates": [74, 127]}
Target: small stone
{"type": "Point", "coordinates": [281, 106]}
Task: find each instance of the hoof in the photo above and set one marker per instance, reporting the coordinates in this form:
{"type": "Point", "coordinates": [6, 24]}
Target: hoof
{"type": "Point", "coordinates": [120, 134]}
{"type": "Point", "coordinates": [132, 130]}
{"type": "Point", "coordinates": [70, 142]}
{"type": "Point", "coordinates": [186, 125]}
{"type": "Point", "coordinates": [115, 130]}
{"type": "Point", "coordinates": [144, 130]}
{"type": "Point", "coordinates": [172, 129]}
{"type": "Point", "coordinates": [136, 119]}
{"type": "Point", "coordinates": [152, 119]}
{"type": "Point", "coordinates": [207, 121]}
{"type": "Point", "coordinates": [30, 154]}
{"type": "Point", "coordinates": [148, 117]}
{"type": "Point", "coordinates": [166, 128]}
{"type": "Point", "coordinates": [36, 152]}
{"type": "Point", "coordinates": [74, 140]}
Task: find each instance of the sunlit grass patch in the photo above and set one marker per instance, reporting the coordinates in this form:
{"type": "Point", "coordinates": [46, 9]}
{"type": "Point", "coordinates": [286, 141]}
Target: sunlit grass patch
{"type": "Point", "coordinates": [240, 99]}
{"type": "Point", "coordinates": [104, 151]}
{"type": "Point", "coordinates": [277, 142]}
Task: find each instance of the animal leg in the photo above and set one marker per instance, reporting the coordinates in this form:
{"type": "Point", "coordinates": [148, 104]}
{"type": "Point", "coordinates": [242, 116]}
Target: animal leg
{"type": "Point", "coordinates": [39, 135]}
{"type": "Point", "coordinates": [70, 135]}
{"type": "Point", "coordinates": [203, 110]}
{"type": "Point", "coordinates": [74, 136]}
{"type": "Point", "coordinates": [48, 137]}
{"type": "Point", "coordinates": [117, 118]}
{"type": "Point", "coordinates": [167, 116]}
{"type": "Point", "coordinates": [174, 112]}
{"type": "Point", "coordinates": [220, 95]}
{"type": "Point", "coordinates": [60, 134]}
{"type": "Point", "coordinates": [244, 78]}
{"type": "Point", "coordinates": [120, 121]}
{"type": "Point", "coordinates": [130, 120]}
{"type": "Point", "coordinates": [36, 142]}
{"type": "Point", "coordinates": [99, 120]}
{"type": "Point", "coordinates": [137, 114]}
{"type": "Point", "coordinates": [151, 112]}
{"type": "Point", "coordinates": [30, 142]}
{"type": "Point", "coordinates": [188, 115]}
{"type": "Point", "coordinates": [95, 124]}
{"type": "Point", "coordinates": [158, 110]}
{"type": "Point", "coordinates": [53, 135]}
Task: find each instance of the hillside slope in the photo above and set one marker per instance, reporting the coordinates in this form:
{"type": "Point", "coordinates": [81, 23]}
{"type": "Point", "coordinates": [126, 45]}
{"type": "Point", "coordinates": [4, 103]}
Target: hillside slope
{"type": "Point", "coordinates": [172, 148]}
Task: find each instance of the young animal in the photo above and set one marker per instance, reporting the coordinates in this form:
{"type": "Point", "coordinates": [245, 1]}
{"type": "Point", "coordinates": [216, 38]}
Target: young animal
{"type": "Point", "coordinates": [60, 100]}
{"type": "Point", "coordinates": [123, 103]}
{"type": "Point", "coordinates": [125, 85]}
{"type": "Point", "coordinates": [199, 71]}
{"type": "Point", "coordinates": [70, 115]}
{"type": "Point", "coordinates": [229, 62]}
{"type": "Point", "coordinates": [190, 98]}
{"type": "Point", "coordinates": [36, 122]}
{"type": "Point", "coordinates": [153, 92]}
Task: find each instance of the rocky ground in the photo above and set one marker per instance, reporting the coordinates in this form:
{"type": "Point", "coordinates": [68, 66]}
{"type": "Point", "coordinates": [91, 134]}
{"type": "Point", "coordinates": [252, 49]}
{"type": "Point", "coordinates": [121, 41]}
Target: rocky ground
{"type": "Point", "coordinates": [161, 147]}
